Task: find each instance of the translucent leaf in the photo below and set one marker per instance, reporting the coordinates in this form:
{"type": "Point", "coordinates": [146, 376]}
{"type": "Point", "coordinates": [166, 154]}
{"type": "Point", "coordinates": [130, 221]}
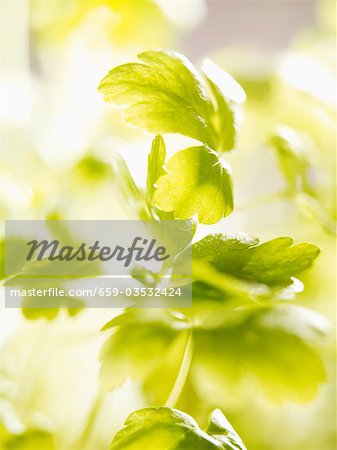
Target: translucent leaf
{"type": "Point", "coordinates": [133, 351]}
{"type": "Point", "coordinates": [228, 94]}
{"type": "Point", "coordinates": [294, 160]}
{"type": "Point", "coordinates": [273, 263]}
{"type": "Point", "coordinates": [165, 428]}
{"type": "Point", "coordinates": [273, 347]}
{"type": "Point", "coordinates": [156, 161]}
{"type": "Point", "coordinates": [166, 94]}
{"type": "Point", "coordinates": [303, 180]}
{"type": "Point", "coordinates": [197, 182]}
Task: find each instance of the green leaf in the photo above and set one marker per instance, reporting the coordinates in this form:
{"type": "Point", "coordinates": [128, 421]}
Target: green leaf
{"type": "Point", "coordinates": [228, 95]}
{"type": "Point", "coordinates": [31, 440]}
{"type": "Point", "coordinates": [197, 182]}
{"type": "Point", "coordinates": [156, 161]}
{"type": "Point", "coordinates": [294, 160]}
{"type": "Point", "coordinates": [10, 264]}
{"type": "Point", "coordinates": [272, 347]}
{"type": "Point", "coordinates": [16, 435]}
{"type": "Point", "coordinates": [133, 199]}
{"type": "Point", "coordinates": [166, 94]}
{"type": "Point", "coordinates": [133, 350]}
{"type": "Point", "coordinates": [165, 428]}
{"type": "Point", "coordinates": [41, 275]}
{"type": "Point", "coordinates": [92, 168]}
{"type": "Point", "coordinates": [273, 263]}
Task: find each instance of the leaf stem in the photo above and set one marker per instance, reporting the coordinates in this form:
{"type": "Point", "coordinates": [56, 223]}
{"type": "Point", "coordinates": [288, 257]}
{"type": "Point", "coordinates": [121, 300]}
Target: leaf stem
{"type": "Point", "coordinates": [91, 420]}
{"type": "Point", "coordinates": [182, 374]}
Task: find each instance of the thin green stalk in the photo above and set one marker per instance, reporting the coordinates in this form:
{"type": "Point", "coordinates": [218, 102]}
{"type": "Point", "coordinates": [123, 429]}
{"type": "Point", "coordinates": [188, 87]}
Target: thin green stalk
{"type": "Point", "coordinates": [182, 374]}
{"type": "Point", "coordinates": [91, 421]}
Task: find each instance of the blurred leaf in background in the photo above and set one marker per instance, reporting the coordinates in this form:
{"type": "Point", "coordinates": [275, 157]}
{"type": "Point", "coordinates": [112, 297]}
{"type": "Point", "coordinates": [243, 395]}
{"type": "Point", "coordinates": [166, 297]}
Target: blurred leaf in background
{"type": "Point", "coordinates": [273, 345]}
{"type": "Point", "coordinates": [126, 22]}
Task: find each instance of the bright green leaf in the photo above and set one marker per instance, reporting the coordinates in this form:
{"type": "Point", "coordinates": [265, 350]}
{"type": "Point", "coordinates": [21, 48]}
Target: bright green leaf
{"type": "Point", "coordinates": [197, 182]}
{"type": "Point", "coordinates": [163, 94]}
{"type": "Point", "coordinates": [166, 94]}
{"type": "Point", "coordinates": [165, 428]}
{"type": "Point", "coordinates": [273, 263]}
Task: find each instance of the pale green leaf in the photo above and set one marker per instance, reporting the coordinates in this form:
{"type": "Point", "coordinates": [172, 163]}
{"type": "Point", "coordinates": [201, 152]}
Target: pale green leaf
{"type": "Point", "coordinates": [163, 94]}
{"type": "Point", "coordinates": [31, 440]}
{"type": "Point", "coordinates": [295, 154]}
{"type": "Point", "coordinates": [15, 435]}
{"type": "Point", "coordinates": [273, 347]}
{"type": "Point", "coordinates": [166, 94]}
{"type": "Point", "coordinates": [294, 160]}
{"type": "Point", "coordinates": [40, 275]}
{"type": "Point", "coordinates": [156, 161]}
{"type": "Point", "coordinates": [133, 351]}
{"type": "Point", "coordinates": [132, 198]}
{"type": "Point", "coordinates": [11, 264]}
{"type": "Point", "coordinates": [273, 263]}
{"type": "Point", "coordinates": [171, 429]}
{"type": "Point", "coordinates": [197, 182]}
{"type": "Point", "coordinates": [228, 95]}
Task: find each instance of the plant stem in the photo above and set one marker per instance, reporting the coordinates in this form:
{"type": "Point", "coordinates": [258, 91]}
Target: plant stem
{"type": "Point", "coordinates": [91, 420]}
{"type": "Point", "coordinates": [182, 374]}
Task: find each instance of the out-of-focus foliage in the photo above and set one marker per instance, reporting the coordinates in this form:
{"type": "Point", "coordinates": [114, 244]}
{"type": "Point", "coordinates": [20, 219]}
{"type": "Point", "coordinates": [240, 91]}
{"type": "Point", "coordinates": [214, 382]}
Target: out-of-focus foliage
{"type": "Point", "coordinates": [291, 101]}
{"type": "Point", "coordinates": [125, 22]}
{"type": "Point", "coordinates": [272, 345]}
{"type": "Point", "coordinates": [301, 177]}
{"type": "Point", "coordinates": [16, 435]}
{"type": "Point", "coordinates": [29, 440]}
{"type": "Point", "coordinates": [170, 428]}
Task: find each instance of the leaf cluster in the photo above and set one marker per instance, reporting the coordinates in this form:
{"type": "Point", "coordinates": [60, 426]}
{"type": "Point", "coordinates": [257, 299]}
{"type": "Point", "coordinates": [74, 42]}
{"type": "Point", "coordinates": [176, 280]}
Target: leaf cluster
{"type": "Point", "coordinates": [241, 331]}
